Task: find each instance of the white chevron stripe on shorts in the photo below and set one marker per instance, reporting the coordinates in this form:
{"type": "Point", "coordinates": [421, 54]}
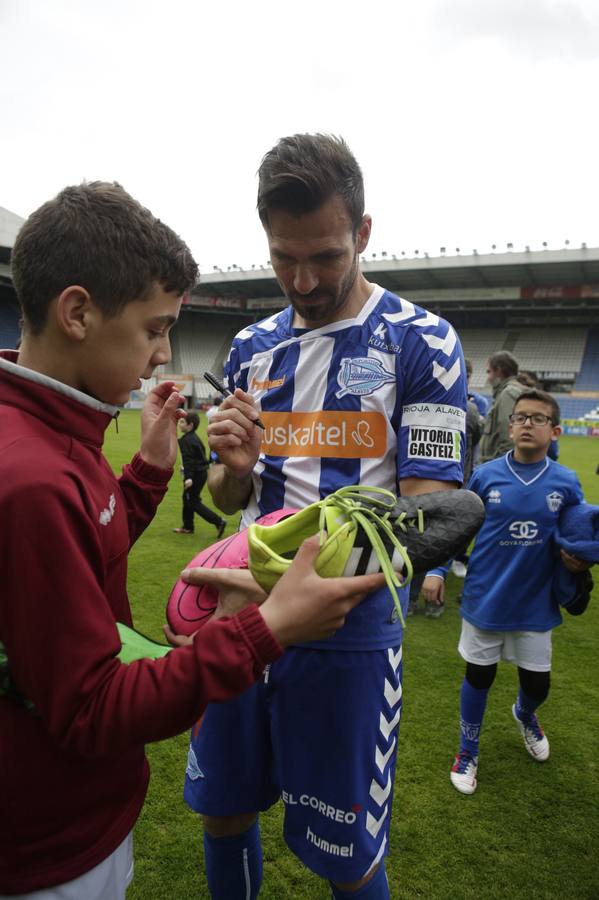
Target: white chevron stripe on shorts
{"type": "Point", "coordinates": [394, 658]}
{"type": "Point", "coordinates": [386, 726]}
{"type": "Point", "coordinates": [377, 858]}
{"type": "Point", "coordinates": [392, 695]}
{"type": "Point", "coordinates": [383, 758]}
{"type": "Point", "coordinates": [380, 794]}
{"type": "Point", "coordinates": [373, 826]}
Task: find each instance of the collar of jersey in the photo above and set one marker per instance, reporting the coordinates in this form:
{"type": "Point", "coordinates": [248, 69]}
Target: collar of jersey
{"type": "Point", "coordinates": [311, 333]}
{"type": "Point", "coordinates": [7, 363]}
{"type": "Point", "coordinates": [510, 454]}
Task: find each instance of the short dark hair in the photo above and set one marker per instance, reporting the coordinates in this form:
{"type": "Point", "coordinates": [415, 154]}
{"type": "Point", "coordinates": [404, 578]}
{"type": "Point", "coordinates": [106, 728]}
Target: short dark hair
{"type": "Point", "coordinates": [97, 236]}
{"type": "Point", "coordinates": [505, 361]}
{"type": "Point", "coordinates": [541, 397]}
{"type": "Point", "coordinates": [303, 171]}
{"type": "Point", "coordinates": [192, 418]}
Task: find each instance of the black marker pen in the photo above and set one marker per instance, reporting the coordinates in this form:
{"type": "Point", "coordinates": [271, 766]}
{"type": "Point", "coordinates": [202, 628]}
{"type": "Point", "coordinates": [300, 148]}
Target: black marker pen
{"type": "Point", "coordinates": [213, 380]}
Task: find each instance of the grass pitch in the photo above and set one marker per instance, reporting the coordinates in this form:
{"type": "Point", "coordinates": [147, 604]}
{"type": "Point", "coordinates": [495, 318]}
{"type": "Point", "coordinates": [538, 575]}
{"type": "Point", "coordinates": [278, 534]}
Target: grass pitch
{"type": "Point", "coordinates": [531, 830]}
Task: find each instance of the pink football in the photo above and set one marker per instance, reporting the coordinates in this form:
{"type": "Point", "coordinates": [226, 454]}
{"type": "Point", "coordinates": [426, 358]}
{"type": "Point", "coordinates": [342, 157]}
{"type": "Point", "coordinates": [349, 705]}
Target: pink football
{"type": "Point", "coordinates": [191, 605]}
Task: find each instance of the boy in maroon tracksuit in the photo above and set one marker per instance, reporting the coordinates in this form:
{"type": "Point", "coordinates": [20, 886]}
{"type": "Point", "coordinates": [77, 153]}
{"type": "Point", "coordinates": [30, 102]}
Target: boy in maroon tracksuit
{"type": "Point", "coordinates": [100, 282]}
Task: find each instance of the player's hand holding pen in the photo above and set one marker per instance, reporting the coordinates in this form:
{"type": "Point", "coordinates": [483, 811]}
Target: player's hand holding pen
{"type": "Point", "coordinates": [233, 432]}
{"type": "Point", "coordinates": [220, 387]}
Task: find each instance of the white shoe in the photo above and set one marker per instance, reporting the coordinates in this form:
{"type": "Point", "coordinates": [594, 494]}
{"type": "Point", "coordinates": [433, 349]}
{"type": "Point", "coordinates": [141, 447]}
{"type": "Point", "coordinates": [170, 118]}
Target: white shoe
{"type": "Point", "coordinates": [463, 772]}
{"type": "Point", "coordinates": [458, 568]}
{"type": "Point", "coordinates": [533, 736]}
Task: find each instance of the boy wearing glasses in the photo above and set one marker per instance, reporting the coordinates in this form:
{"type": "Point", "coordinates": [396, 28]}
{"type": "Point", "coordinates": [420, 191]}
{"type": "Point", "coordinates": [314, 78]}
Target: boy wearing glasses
{"type": "Point", "coordinates": [507, 607]}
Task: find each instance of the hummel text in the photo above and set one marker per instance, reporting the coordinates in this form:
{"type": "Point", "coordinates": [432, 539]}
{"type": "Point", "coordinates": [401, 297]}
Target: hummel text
{"type": "Point", "coordinates": [328, 847]}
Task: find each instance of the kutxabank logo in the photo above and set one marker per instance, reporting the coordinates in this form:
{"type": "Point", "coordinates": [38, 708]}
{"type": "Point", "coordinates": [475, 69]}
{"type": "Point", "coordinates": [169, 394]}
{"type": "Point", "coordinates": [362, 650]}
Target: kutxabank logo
{"type": "Point", "coordinates": [361, 376]}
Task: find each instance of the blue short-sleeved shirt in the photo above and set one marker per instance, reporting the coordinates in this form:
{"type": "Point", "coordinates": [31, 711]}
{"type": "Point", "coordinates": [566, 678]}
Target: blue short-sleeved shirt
{"type": "Point", "coordinates": [511, 567]}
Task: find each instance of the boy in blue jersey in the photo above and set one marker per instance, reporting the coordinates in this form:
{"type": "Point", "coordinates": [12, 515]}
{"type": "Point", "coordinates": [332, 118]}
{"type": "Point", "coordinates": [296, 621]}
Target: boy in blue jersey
{"type": "Point", "coordinates": [507, 605]}
{"type": "Point", "coordinates": [354, 385]}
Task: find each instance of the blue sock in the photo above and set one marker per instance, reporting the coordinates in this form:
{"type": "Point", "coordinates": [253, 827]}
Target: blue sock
{"type": "Point", "coordinates": [234, 865]}
{"type": "Point", "coordinates": [472, 710]}
{"type": "Point", "coordinates": [526, 706]}
{"type": "Point", "coordinates": [375, 889]}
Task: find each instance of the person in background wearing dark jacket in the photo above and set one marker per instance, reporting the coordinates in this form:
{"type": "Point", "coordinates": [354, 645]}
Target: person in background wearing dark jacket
{"type": "Point", "coordinates": [195, 472]}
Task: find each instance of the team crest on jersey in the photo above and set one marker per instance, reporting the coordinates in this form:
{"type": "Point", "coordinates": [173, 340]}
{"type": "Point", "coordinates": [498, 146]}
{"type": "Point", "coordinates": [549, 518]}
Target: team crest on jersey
{"type": "Point", "coordinates": [555, 501]}
{"type": "Point", "coordinates": [361, 376]}
{"type": "Point", "coordinates": [494, 496]}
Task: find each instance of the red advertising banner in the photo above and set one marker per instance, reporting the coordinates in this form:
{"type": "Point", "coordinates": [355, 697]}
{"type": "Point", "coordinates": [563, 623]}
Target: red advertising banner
{"type": "Point", "coordinates": [213, 302]}
{"type": "Point", "coordinates": [560, 292]}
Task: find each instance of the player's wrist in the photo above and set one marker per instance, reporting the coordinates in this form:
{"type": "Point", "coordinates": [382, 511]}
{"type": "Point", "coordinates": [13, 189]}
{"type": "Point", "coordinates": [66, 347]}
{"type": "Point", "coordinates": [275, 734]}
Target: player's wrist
{"type": "Point", "coordinates": [240, 474]}
{"type": "Point", "coordinates": [237, 485]}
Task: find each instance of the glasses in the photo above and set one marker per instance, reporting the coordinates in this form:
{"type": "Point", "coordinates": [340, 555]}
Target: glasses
{"type": "Point", "coordinates": [538, 419]}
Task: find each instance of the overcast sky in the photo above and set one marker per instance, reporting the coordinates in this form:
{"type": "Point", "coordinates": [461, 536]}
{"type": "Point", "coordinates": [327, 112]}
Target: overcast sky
{"type": "Point", "coordinates": [475, 121]}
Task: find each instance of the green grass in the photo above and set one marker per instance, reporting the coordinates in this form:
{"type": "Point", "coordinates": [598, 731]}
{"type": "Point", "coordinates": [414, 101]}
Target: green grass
{"type": "Point", "coordinates": [529, 831]}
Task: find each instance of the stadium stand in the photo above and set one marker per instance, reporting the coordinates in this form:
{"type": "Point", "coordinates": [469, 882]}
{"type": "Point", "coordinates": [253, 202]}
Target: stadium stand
{"type": "Point", "coordinates": [203, 341]}
{"type": "Point", "coordinates": [478, 345]}
{"type": "Point", "coordinates": [10, 223]}
{"type": "Point", "coordinates": [557, 350]}
{"type": "Point", "coordinates": [9, 320]}
{"type": "Point", "coordinates": [543, 306]}
{"type": "Point", "coordinates": [576, 407]}
{"type": "Point", "coordinates": [588, 376]}
{"type": "Point", "coordinates": [554, 349]}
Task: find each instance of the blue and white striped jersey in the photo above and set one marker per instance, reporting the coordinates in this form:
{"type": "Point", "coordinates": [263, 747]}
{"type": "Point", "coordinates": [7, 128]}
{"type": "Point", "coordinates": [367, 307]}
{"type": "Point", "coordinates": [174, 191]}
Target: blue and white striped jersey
{"type": "Point", "coordinates": [369, 400]}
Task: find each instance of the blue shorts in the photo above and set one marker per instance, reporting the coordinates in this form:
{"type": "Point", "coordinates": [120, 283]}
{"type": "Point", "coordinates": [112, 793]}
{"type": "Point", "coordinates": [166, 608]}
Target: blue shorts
{"type": "Point", "coordinates": [320, 732]}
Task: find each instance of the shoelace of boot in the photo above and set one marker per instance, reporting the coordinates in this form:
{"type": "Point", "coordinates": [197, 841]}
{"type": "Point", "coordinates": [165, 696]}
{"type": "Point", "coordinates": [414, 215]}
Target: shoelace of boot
{"type": "Point", "coordinates": [372, 509]}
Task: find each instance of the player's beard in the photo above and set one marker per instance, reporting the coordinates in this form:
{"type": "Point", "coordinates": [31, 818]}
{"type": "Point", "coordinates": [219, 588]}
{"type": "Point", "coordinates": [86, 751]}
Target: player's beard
{"type": "Point", "coordinates": [322, 306]}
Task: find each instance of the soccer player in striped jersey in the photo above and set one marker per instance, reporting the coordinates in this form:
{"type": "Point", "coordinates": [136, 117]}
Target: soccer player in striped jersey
{"type": "Point", "coordinates": [354, 385]}
{"type": "Point", "coordinates": [508, 606]}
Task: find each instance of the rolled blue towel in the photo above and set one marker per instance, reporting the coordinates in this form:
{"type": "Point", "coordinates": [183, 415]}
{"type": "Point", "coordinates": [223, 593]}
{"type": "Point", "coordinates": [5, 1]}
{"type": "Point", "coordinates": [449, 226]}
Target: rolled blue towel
{"type": "Point", "coordinates": [578, 531]}
{"type": "Point", "coordinates": [578, 534]}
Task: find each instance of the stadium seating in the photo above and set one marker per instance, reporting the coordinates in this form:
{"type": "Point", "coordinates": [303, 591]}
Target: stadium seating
{"type": "Point", "coordinates": [551, 349]}
{"type": "Point", "coordinates": [203, 341]}
{"type": "Point", "coordinates": [576, 407]}
{"type": "Point", "coordinates": [588, 377]}
{"type": "Point", "coordinates": [478, 345]}
{"type": "Point", "coordinates": [559, 350]}
{"type": "Point", "coordinates": [9, 323]}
